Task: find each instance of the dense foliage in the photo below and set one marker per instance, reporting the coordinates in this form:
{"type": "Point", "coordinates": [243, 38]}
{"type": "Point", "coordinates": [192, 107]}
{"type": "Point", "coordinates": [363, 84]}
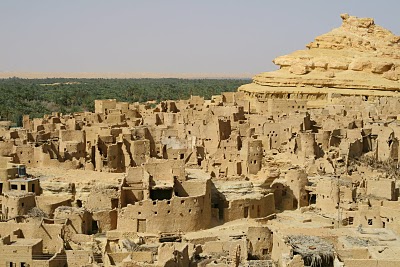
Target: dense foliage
{"type": "Point", "coordinates": [37, 97]}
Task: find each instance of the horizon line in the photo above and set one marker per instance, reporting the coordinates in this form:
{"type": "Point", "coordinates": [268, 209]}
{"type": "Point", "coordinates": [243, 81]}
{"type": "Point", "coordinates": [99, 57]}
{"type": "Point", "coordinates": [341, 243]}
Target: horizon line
{"type": "Point", "coordinates": [122, 75]}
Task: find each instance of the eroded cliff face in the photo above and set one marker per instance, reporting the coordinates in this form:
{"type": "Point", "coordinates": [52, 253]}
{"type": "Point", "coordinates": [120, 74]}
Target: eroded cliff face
{"type": "Point", "coordinates": [357, 55]}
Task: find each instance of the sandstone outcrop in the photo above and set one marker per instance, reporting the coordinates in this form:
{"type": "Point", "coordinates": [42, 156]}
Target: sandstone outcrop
{"type": "Point", "coordinates": [301, 171]}
{"type": "Point", "coordinates": [357, 55]}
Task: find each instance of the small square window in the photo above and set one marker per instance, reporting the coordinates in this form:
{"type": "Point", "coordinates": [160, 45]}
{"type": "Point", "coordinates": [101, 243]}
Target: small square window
{"type": "Point", "coordinates": [23, 187]}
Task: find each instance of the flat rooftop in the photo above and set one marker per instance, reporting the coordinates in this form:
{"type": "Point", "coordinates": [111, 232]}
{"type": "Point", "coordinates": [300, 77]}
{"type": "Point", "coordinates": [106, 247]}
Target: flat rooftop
{"type": "Point", "coordinates": [22, 180]}
{"type": "Point", "coordinates": [23, 242]}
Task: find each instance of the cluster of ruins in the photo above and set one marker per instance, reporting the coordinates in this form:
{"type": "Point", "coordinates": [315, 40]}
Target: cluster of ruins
{"type": "Point", "coordinates": [298, 168]}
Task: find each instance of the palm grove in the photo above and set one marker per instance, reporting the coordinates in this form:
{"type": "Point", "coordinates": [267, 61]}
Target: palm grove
{"type": "Point", "coordinates": [37, 97]}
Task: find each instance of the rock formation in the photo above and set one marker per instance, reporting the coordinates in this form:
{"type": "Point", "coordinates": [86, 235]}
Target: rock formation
{"type": "Point", "coordinates": [299, 168]}
{"type": "Point", "coordinates": [358, 55]}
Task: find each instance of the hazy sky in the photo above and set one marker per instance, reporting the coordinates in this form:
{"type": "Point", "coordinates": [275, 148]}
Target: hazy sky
{"type": "Point", "coordinates": [207, 36]}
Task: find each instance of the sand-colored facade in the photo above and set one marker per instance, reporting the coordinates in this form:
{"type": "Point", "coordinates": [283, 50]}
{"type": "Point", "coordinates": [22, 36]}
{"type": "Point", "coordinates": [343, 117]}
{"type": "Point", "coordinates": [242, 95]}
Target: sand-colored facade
{"type": "Point", "coordinates": [298, 168]}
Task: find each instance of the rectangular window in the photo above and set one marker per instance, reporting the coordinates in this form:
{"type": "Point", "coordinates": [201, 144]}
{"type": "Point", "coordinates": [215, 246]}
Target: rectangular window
{"type": "Point", "coordinates": [351, 220]}
{"type": "Point", "coordinates": [369, 221]}
{"type": "Point", "coordinates": [14, 187]}
{"type": "Point", "coordinates": [23, 187]}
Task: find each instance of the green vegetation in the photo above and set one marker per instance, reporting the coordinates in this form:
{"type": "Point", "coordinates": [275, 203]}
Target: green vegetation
{"type": "Point", "coordinates": [37, 97]}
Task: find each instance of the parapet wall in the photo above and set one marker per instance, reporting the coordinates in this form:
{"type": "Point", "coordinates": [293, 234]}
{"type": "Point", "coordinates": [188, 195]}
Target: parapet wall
{"type": "Point", "coordinates": [177, 214]}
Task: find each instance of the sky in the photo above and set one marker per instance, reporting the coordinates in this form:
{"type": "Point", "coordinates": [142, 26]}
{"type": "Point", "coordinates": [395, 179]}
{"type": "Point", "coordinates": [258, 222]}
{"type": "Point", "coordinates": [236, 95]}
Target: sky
{"type": "Point", "coordinates": [174, 36]}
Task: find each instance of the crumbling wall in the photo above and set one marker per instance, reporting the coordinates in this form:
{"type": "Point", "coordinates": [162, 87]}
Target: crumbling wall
{"type": "Point", "coordinates": [247, 207]}
{"type": "Point", "coordinates": [176, 214]}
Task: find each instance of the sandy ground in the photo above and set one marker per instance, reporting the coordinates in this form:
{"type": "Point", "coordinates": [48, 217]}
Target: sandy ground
{"type": "Point", "coordinates": [225, 231]}
{"type": "Point", "coordinates": [76, 176]}
{"type": "Point", "coordinates": [126, 75]}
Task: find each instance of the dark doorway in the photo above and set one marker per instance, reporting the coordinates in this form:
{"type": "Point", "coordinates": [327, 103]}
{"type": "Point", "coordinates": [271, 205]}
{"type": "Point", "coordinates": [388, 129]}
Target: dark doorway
{"type": "Point", "coordinates": [220, 210]}
{"type": "Point", "coordinates": [313, 199]}
{"type": "Point", "coordinates": [114, 203]}
{"type": "Point", "coordinates": [246, 212]}
{"type": "Point", "coordinates": [21, 171]}
{"type": "Point", "coordinates": [93, 154]}
{"type": "Point", "coordinates": [295, 203]}
{"type": "Point", "coordinates": [95, 227]}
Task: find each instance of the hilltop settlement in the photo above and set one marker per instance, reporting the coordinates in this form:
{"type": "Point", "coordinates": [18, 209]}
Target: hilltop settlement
{"type": "Point", "coordinates": [298, 168]}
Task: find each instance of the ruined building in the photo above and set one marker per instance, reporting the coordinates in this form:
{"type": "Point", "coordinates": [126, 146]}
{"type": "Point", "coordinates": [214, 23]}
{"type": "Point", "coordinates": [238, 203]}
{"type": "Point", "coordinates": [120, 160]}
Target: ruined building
{"type": "Point", "coordinates": [298, 168]}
